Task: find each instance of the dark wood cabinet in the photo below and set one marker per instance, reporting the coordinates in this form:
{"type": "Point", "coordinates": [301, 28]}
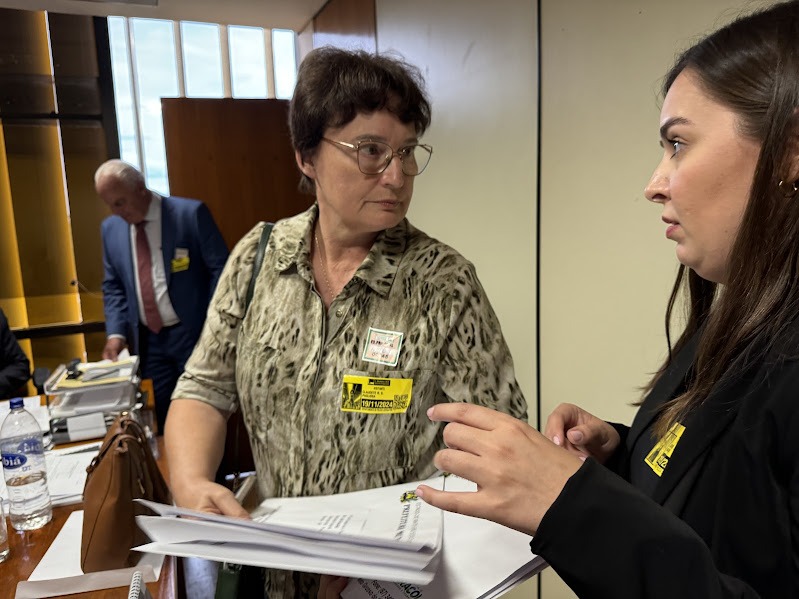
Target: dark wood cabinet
{"type": "Point", "coordinates": [236, 156]}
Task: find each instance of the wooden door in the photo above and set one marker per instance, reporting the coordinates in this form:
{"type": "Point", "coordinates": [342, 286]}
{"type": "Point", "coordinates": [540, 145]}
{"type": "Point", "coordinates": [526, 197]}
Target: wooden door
{"type": "Point", "coordinates": [236, 156]}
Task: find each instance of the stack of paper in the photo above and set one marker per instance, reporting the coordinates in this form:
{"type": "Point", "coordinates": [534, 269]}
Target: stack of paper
{"type": "Point", "coordinates": [377, 535]}
{"type": "Point", "coordinates": [385, 534]}
{"type": "Point", "coordinates": [66, 473]}
{"type": "Point", "coordinates": [33, 405]}
{"type": "Point", "coordinates": [479, 560]}
{"type": "Point", "coordinates": [58, 573]}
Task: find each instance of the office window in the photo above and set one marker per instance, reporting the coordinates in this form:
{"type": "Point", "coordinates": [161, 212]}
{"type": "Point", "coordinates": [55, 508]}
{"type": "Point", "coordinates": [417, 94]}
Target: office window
{"type": "Point", "coordinates": [202, 60]}
{"type": "Point", "coordinates": [285, 59]}
{"type": "Point", "coordinates": [156, 71]}
{"type": "Point", "coordinates": [123, 92]}
{"type": "Point", "coordinates": [145, 69]}
{"type": "Point", "coordinates": [247, 62]}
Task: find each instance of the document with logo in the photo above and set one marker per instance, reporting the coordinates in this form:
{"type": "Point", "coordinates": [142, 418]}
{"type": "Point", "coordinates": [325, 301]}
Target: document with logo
{"type": "Point", "coordinates": [391, 543]}
{"type": "Point", "coordinates": [479, 560]}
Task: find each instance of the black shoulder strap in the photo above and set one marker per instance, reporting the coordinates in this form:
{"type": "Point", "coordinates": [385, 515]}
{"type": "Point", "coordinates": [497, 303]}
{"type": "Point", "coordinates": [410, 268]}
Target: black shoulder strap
{"type": "Point", "coordinates": [257, 263]}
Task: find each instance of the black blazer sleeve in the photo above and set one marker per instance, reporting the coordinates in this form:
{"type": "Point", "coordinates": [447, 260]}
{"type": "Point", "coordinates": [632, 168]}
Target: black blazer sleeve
{"type": "Point", "coordinates": [607, 540]}
{"type": "Point", "coordinates": [14, 364]}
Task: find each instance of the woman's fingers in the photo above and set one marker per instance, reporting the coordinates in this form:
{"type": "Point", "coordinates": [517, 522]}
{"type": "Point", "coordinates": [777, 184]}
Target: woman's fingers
{"type": "Point", "coordinates": [596, 439]}
{"type": "Point", "coordinates": [469, 414]}
{"type": "Point", "coordinates": [330, 587]}
{"type": "Point", "coordinates": [518, 472]}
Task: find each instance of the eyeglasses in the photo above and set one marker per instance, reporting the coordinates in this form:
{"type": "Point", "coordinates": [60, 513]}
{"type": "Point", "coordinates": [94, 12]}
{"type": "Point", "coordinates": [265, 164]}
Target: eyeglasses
{"type": "Point", "coordinates": [375, 156]}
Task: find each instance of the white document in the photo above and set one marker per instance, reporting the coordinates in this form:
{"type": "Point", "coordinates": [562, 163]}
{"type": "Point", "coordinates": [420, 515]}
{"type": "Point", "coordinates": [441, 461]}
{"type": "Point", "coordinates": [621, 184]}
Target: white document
{"type": "Point", "coordinates": [480, 560]}
{"type": "Point", "coordinates": [66, 474]}
{"type": "Point", "coordinates": [59, 573]}
{"type": "Point", "coordinates": [33, 405]}
{"type": "Point", "coordinates": [86, 426]}
{"type": "Point", "coordinates": [384, 533]}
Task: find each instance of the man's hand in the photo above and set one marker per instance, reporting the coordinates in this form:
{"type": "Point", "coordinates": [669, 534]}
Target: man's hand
{"type": "Point", "coordinates": [113, 346]}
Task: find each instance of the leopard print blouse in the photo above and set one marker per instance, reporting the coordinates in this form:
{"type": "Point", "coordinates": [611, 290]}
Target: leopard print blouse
{"type": "Point", "coordinates": [283, 363]}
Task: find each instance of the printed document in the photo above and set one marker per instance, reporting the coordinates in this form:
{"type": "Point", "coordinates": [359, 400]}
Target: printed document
{"type": "Point", "coordinates": [387, 535]}
{"type": "Point", "coordinates": [479, 560]}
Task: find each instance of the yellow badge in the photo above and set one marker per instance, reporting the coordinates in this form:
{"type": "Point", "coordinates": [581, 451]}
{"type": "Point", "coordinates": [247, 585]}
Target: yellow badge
{"type": "Point", "coordinates": [180, 264]}
{"type": "Point", "coordinates": [659, 457]}
{"type": "Point", "coordinates": [370, 395]}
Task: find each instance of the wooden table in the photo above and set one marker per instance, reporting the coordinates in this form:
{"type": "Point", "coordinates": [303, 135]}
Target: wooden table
{"type": "Point", "coordinates": [28, 547]}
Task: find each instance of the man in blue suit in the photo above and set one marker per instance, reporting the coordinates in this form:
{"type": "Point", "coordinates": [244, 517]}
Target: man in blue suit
{"type": "Point", "coordinates": [162, 258]}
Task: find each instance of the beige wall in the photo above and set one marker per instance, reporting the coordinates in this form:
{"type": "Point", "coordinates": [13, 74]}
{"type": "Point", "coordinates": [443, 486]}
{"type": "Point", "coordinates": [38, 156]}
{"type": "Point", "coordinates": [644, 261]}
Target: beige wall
{"type": "Point", "coordinates": [606, 267]}
{"type": "Point", "coordinates": [478, 194]}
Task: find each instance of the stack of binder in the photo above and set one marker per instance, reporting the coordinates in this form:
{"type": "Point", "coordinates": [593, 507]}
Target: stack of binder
{"type": "Point", "coordinates": [84, 398]}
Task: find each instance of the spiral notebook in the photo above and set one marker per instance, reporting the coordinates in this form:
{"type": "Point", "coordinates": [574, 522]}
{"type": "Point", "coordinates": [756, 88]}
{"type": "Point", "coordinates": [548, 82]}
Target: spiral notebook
{"type": "Point", "coordinates": [138, 590]}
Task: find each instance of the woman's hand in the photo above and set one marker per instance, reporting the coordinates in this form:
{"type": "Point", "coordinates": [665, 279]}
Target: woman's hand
{"type": "Point", "coordinates": [581, 433]}
{"type": "Point", "coordinates": [331, 586]}
{"type": "Point", "coordinates": [194, 437]}
{"type": "Point", "coordinates": [208, 496]}
{"type": "Point", "coordinates": [519, 473]}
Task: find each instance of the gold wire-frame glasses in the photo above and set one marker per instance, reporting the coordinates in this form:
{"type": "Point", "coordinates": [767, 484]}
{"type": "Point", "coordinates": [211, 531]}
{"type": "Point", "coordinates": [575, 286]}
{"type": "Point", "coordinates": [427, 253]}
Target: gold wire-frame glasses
{"type": "Point", "coordinates": [374, 156]}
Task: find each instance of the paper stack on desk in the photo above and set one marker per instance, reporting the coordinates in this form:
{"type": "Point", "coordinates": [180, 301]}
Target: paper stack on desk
{"type": "Point", "coordinates": [384, 534]}
{"type": "Point", "coordinates": [66, 474]}
{"type": "Point", "coordinates": [34, 406]}
{"type": "Point", "coordinates": [84, 398]}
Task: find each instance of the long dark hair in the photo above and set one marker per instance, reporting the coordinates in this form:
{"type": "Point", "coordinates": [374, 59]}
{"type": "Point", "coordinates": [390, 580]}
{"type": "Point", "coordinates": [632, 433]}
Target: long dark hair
{"type": "Point", "coordinates": [752, 67]}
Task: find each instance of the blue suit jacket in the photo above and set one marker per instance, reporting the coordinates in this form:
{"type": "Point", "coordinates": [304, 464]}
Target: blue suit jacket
{"type": "Point", "coordinates": [185, 224]}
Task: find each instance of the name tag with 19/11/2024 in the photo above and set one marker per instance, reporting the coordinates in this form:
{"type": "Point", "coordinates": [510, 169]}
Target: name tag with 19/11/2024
{"type": "Point", "coordinates": [370, 395]}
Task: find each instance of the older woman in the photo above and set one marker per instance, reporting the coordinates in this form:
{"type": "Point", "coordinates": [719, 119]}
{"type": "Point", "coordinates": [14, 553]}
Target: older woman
{"type": "Point", "coordinates": [359, 322]}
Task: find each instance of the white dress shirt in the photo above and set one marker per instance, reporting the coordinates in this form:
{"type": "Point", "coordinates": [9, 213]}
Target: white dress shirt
{"type": "Point", "coordinates": [153, 230]}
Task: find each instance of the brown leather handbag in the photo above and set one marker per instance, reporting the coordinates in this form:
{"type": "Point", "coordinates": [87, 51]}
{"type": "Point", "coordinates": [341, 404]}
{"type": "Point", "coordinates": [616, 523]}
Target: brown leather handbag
{"type": "Point", "coordinates": [123, 470]}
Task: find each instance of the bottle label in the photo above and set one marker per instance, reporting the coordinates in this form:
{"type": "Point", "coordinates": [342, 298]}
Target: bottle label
{"type": "Point", "coordinates": [12, 461]}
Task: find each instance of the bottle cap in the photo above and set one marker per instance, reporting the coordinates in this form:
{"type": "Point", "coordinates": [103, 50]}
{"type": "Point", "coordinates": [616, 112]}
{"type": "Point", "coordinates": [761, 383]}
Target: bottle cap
{"type": "Point", "coordinates": [17, 402]}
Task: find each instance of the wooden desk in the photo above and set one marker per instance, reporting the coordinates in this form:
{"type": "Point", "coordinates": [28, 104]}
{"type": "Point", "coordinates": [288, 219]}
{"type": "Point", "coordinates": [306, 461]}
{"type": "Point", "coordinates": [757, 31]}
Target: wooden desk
{"type": "Point", "coordinates": [27, 549]}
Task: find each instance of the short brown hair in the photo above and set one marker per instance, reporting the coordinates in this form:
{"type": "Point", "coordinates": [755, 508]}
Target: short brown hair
{"type": "Point", "coordinates": [335, 85]}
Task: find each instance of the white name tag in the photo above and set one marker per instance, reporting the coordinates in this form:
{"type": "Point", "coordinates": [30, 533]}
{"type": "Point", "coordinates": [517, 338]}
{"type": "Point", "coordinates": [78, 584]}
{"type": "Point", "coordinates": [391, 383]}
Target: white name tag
{"type": "Point", "coordinates": [382, 347]}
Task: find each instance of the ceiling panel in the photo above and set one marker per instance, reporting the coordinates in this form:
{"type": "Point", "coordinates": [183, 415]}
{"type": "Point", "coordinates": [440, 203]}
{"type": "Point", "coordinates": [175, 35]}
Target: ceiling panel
{"type": "Point", "coordinates": [283, 14]}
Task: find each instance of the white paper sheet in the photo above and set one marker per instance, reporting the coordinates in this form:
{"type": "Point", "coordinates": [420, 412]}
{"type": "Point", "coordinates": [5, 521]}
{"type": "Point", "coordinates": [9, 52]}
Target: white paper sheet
{"type": "Point", "coordinates": [58, 572]}
{"type": "Point", "coordinates": [378, 517]}
{"type": "Point", "coordinates": [384, 533]}
{"type": "Point", "coordinates": [66, 474]}
{"type": "Point", "coordinates": [479, 560]}
{"type": "Point", "coordinates": [33, 405]}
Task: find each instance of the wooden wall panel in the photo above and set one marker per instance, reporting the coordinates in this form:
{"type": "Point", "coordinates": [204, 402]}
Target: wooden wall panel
{"type": "Point", "coordinates": [12, 296]}
{"type": "Point", "coordinates": [55, 123]}
{"type": "Point", "coordinates": [347, 24]}
{"type": "Point", "coordinates": [84, 150]}
{"type": "Point", "coordinates": [44, 238]}
{"type": "Point", "coordinates": [236, 156]}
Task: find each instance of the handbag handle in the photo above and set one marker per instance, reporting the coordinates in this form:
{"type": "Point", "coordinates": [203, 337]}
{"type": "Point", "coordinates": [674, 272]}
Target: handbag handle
{"type": "Point", "coordinates": [256, 268]}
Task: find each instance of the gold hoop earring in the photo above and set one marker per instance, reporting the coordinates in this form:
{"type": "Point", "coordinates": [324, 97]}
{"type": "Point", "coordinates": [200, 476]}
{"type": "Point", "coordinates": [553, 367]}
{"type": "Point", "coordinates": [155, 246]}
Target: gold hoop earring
{"type": "Point", "coordinates": [788, 189]}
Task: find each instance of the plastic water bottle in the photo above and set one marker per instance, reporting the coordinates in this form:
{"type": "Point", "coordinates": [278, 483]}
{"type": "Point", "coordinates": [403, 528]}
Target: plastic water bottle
{"type": "Point", "coordinates": [24, 469]}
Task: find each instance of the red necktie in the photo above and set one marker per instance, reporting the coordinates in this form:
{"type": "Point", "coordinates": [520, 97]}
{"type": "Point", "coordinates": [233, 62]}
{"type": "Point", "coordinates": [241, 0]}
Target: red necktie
{"type": "Point", "coordinates": [144, 263]}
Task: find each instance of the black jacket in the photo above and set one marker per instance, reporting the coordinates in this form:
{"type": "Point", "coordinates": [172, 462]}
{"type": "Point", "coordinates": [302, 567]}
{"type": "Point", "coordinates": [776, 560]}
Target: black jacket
{"type": "Point", "coordinates": [15, 369]}
{"type": "Point", "coordinates": [722, 522]}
